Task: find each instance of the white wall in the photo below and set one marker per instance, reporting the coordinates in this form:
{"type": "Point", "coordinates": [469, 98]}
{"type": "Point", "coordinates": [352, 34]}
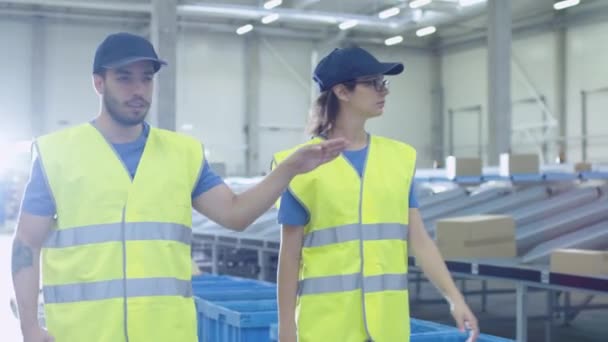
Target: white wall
{"type": "Point", "coordinates": [407, 115]}
{"type": "Point", "coordinates": [15, 81]}
{"type": "Point", "coordinates": [587, 70]}
{"type": "Point", "coordinates": [210, 94]}
{"type": "Point", "coordinates": [465, 84]}
{"type": "Point", "coordinates": [70, 96]}
{"type": "Point", "coordinates": [285, 93]}
{"type": "Point", "coordinates": [464, 79]}
{"type": "Point", "coordinates": [533, 75]}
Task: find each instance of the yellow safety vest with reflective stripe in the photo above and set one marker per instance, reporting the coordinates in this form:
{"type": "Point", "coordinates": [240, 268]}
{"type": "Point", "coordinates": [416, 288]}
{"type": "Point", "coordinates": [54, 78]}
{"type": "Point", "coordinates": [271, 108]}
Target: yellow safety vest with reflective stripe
{"type": "Point", "coordinates": [353, 270]}
{"type": "Point", "coordinates": [117, 267]}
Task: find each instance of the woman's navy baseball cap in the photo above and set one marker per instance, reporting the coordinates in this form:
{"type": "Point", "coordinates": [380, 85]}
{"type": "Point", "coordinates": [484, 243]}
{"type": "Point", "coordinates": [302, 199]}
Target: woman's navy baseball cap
{"type": "Point", "coordinates": [346, 64]}
{"type": "Point", "coordinates": [123, 48]}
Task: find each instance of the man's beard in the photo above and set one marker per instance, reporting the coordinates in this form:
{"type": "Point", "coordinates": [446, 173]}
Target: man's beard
{"type": "Point", "coordinates": [113, 109]}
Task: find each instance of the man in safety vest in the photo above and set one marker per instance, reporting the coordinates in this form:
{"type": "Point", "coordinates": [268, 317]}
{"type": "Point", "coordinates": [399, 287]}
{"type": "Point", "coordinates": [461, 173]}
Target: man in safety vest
{"type": "Point", "coordinates": [107, 214]}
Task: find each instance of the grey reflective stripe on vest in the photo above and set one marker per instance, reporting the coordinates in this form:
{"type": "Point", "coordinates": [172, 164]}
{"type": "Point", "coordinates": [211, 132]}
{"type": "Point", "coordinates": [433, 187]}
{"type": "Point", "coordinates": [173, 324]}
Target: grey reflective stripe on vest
{"type": "Point", "coordinates": [351, 282]}
{"type": "Point", "coordinates": [378, 231]}
{"type": "Point", "coordinates": [148, 287]}
{"type": "Point", "coordinates": [134, 231]}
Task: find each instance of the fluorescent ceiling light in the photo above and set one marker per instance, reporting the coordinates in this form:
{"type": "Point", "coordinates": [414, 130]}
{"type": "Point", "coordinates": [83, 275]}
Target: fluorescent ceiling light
{"type": "Point", "coordinates": [565, 4]}
{"type": "Point", "coordinates": [244, 29]}
{"type": "Point", "coordinates": [465, 3]}
{"type": "Point", "coordinates": [187, 127]}
{"type": "Point", "coordinates": [391, 12]}
{"type": "Point", "coordinates": [272, 4]}
{"type": "Point", "coordinates": [419, 3]}
{"type": "Point", "coordinates": [393, 40]}
{"type": "Point", "coordinates": [348, 24]}
{"type": "Point", "coordinates": [425, 31]}
{"type": "Point", "coordinates": [270, 18]}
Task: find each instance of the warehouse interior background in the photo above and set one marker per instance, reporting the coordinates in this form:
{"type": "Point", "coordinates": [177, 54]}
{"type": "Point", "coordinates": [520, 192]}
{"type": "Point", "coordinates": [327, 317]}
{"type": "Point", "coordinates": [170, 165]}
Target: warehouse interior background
{"type": "Point", "coordinates": [481, 78]}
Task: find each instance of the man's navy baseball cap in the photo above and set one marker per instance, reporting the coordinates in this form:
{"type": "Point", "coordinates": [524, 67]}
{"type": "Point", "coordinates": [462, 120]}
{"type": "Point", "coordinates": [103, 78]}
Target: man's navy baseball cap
{"type": "Point", "coordinates": [123, 48]}
{"type": "Point", "coordinates": [347, 64]}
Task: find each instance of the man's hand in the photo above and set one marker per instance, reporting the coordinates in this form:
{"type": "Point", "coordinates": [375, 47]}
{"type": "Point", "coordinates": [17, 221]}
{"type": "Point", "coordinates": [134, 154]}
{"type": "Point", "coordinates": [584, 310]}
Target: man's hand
{"type": "Point", "coordinates": [37, 334]}
{"type": "Point", "coordinates": [465, 319]}
{"type": "Point", "coordinates": [309, 157]}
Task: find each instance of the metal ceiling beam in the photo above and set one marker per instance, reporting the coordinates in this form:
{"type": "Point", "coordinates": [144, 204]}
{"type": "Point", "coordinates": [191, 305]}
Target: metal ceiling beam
{"type": "Point", "coordinates": [93, 6]}
{"type": "Point", "coordinates": [543, 24]}
{"type": "Point", "coordinates": [366, 23]}
{"type": "Point", "coordinates": [302, 4]}
{"type": "Point", "coordinates": [89, 19]}
{"type": "Point", "coordinates": [286, 14]}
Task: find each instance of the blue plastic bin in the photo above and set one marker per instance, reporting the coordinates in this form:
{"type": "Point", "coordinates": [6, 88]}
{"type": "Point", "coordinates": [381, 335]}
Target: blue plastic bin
{"type": "Point", "coordinates": [212, 287]}
{"type": "Point", "coordinates": [418, 326]}
{"type": "Point", "coordinates": [236, 321]}
{"type": "Point", "coordinates": [423, 331]}
{"type": "Point", "coordinates": [247, 293]}
{"type": "Point", "coordinates": [274, 332]}
{"type": "Point", "coordinates": [453, 336]}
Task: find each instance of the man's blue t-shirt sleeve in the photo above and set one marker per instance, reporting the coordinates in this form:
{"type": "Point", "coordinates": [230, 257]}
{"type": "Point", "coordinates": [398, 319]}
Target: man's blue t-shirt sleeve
{"type": "Point", "coordinates": [206, 181]}
{"type": "Point", "coordinates": [291, 212]}
{"type": "Point", "coordinates": [37, 198]}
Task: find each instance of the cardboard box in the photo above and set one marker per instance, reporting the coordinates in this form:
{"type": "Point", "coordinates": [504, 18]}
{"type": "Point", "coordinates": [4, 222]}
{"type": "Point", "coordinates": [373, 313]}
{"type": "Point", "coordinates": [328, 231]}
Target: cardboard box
{"type": "Point", "coordinates": [580, 262]}
{"type": "Point", "coordinates": [462, 167]}
{"type": "Point", "coordinates": [511, 164]}
{"type": "Point", "coordinates": [481, 236]}
{"type": "Point", "coordinates": [582, 167]}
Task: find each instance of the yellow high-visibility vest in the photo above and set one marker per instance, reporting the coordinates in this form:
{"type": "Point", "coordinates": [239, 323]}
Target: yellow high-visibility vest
{"type": "Point", "coordinates": [353, 284]}
{"type": "Point", "coordinates": [117, 266]}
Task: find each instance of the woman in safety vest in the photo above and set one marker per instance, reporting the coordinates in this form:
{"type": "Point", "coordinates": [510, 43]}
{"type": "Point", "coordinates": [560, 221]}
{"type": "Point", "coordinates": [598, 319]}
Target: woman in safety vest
{"type": "Point", "coordinates": [348, 225]}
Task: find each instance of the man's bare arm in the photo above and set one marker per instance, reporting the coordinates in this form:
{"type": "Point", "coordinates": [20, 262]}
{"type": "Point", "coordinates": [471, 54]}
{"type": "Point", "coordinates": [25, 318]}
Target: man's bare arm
{"type": "Point", "coordinates": [31, 233]}
{"type": "Point", "coordinates": [237, 212]}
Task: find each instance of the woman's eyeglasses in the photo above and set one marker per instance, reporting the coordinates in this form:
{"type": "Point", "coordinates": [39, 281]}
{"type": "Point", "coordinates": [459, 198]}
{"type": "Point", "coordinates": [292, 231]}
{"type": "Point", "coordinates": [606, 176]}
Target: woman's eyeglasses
{"type": "Point", "coordinates": [378, 84]}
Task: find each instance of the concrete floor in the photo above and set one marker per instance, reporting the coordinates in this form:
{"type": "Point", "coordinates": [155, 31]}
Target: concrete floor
{"type": "Point", "coordinates": [589, 326]}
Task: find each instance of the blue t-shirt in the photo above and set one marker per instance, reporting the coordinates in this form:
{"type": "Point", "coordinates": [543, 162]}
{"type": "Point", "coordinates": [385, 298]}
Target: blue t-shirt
{"type": "Point", "coordinates": [37, 198]}
{"type": "Point", "coordinates": [291, 212]}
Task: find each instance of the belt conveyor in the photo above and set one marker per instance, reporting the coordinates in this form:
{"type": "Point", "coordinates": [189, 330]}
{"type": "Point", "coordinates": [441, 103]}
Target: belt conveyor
{"type": "Point", "coordinates": [592, 237]}
{"type": "Point", "coordinates": [534, 233]}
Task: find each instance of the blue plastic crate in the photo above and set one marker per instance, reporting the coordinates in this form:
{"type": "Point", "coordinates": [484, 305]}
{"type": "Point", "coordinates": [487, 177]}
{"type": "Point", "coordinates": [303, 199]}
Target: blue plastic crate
{"type": "Point", "coordinates": [236, 321]}
{"type": "Point", "coordinates": [423, 331]}
{"type": "Point", "coordinates": [232, 293]}
{"type": "Point", "coordinates": [199, 317]}
{"type": "Point", "coordinates": [201, 288]}
{"type": "Point", "coordinates": [418, 326]}
{"type": "Point", "coordinates": [453, 336]}
{"type": "Point", "coordinates": [213, 289]}
{"type": "Point", "coordinates": [274, 332]}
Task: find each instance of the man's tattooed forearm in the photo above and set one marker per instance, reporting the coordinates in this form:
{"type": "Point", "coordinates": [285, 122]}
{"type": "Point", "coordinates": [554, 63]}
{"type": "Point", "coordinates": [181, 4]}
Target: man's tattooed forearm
{"type": "Point", "coordinates": [22, 256]}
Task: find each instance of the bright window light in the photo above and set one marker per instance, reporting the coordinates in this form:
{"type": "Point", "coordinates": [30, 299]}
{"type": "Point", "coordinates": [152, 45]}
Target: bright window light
{"type": "Point", "coordinates": [272, 4]}
{"type": "Point", "coordinates": [270, 18]}
{"type": "Point", "coordinates": [425, 31]}
{"type": "Point", "coordinates": [348, 24]}
{"type": "Point", "coordinates": [244, 29]}
{"type": "Point", "coordinates": [393, 40]}
{"type": "Point", "coordinates": [391, 12]}
{"type": "Point", "coordinates": [419, 3]}
{"type": "Point", "coordinates": [565, 4]}
{"type": "Point", "coordinates": [465, 3]}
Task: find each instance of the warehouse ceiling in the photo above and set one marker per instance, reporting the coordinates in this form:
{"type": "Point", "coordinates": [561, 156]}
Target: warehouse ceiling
{"type": "Point", "coordinates": [453, 20]}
